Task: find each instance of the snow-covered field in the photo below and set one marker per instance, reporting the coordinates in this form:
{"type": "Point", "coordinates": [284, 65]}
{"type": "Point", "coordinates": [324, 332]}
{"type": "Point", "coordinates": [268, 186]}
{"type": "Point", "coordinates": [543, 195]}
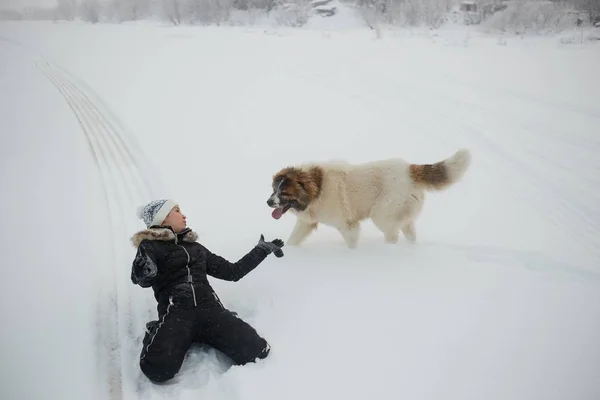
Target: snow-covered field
{"type": "Point", "coordinates": [499, 298]}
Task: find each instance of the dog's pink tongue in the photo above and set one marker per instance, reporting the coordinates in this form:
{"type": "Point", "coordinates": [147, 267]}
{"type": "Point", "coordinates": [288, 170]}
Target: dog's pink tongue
{"type": "Point", "coordinates": [277, 213]}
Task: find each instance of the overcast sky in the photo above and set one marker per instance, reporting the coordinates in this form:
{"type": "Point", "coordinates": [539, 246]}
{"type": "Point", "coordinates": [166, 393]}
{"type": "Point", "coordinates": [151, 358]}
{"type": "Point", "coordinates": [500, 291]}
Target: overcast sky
{"type": "Point", "coordinates": [26, 3]}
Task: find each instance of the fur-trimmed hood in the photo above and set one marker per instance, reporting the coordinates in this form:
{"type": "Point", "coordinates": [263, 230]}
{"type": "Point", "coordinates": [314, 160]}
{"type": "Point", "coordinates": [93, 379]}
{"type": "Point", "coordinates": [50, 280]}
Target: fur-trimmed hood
{"type": "Point", "coordinates": [164, 234]}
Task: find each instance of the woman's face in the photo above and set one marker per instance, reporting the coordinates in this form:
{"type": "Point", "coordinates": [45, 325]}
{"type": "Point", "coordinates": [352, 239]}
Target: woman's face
{"type": "Point", "coordinates": [175, 219]}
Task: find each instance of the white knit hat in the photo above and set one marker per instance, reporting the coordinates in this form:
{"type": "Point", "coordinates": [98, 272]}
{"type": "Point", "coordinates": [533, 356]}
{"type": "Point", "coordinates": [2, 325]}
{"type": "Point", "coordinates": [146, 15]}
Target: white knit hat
{"type": "Point", "coordinates": [155, 212]}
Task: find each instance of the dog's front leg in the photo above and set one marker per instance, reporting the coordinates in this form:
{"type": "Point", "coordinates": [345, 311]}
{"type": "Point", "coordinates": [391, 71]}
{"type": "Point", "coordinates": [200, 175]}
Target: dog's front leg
{"type": "Point", "coordinates": [350, 232]}
{"type": "Point", "coordinates": [300, 232]}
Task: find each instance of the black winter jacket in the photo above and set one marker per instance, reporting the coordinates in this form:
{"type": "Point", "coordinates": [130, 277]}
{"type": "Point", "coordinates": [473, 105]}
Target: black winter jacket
{"type": "Point", "coordinates": [183, 265]}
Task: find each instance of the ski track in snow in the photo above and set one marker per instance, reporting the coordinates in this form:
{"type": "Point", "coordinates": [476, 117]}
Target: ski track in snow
{"type": "Point", "coordinates": [120, 329]}
{"type": "Point", "coordinates": [124, 188]}
{"type": "Point", "coordinates": [127, 182]}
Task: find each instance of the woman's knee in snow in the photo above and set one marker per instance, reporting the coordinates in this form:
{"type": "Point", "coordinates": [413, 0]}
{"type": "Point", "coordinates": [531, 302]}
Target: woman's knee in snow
{"type": "Point", "coordinates": [264, 352]}
{"type": "Point", "coordinates": [252, 357]}
{"type": "Point", "coordinates": [157, 373]}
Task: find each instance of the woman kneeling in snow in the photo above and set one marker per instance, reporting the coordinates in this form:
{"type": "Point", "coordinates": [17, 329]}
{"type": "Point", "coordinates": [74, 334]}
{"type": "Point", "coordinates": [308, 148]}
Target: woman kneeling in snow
{"type": "Point", "coordinates": [170, 260]}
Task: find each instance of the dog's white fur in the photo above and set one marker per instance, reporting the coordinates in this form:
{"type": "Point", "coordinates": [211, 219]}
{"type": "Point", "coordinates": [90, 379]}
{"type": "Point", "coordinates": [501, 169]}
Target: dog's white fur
{"type": "Point", "coordinates": [381, 190]}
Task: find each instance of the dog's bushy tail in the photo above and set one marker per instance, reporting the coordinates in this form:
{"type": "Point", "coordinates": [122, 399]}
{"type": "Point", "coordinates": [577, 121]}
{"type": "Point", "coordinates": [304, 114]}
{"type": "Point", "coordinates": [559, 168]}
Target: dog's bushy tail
{"type": "Point", "coordinates": [442, 174]}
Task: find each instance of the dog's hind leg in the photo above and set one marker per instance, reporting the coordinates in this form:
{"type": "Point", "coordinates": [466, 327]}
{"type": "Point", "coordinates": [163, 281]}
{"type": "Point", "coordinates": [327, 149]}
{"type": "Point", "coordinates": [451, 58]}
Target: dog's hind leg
{"type": "Point", "coordinates": [388, 227]}
{"type": "Point", "coordinates": [391, 219]}
{"type": "Point", "coordinates": [408, 229]}
{"type": "Point", "coordinates": [413, 209]}
{"type": "Point", "coordinates": [300, 232]}
{"type": "Point", "coordinates": [350, 232]}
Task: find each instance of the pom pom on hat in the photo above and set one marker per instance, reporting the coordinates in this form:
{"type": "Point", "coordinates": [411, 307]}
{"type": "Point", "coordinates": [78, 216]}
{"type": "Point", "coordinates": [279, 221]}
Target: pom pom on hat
{"type": "Point", "coordinates": [155, 212]}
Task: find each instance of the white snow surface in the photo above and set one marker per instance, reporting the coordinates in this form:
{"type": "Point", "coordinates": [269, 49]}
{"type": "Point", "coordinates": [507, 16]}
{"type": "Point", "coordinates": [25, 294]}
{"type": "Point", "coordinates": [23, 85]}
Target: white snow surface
{"type": "Point", "coordinates": [498, 299]}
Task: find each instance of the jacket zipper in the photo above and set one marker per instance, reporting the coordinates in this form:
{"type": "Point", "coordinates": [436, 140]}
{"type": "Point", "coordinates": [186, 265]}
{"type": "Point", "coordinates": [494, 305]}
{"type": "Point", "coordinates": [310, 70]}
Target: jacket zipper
{"type": "Point", "coordinates": [217, 299]}
{"type": "Point", "coordinates": [189, 276]}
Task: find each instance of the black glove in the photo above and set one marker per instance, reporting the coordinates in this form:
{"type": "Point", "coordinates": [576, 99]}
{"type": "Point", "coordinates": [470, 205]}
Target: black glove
{"type": "Point", "coordinates": [144, 268]}
{"type": "Point", "coordinates": [272, 247]}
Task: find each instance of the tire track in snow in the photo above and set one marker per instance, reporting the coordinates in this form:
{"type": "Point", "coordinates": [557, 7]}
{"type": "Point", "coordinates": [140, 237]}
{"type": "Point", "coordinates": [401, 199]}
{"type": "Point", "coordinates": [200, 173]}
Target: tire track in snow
{"type": "Point", "coordinates": [512, 94]}
{"type": "Point", "coordinates": [124, 188]}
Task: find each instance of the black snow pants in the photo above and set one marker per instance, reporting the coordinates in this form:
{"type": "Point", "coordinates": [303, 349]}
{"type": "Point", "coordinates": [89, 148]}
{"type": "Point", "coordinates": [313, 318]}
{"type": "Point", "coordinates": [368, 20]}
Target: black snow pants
{"type": "Point", "coordinates": [168, 339]}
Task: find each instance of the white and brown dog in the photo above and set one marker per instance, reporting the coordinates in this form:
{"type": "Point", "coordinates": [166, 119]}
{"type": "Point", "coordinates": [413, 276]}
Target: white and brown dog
{"type": "Point", "coordinates": [339, 194]}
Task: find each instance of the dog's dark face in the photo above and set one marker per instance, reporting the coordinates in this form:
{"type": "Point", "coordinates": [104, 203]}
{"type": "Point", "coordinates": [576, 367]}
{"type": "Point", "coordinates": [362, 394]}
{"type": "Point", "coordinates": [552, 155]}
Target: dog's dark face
{"type": "Point", "coordinates": [292, 189]}
{"type": "Point", "coordinates": [287, 194]}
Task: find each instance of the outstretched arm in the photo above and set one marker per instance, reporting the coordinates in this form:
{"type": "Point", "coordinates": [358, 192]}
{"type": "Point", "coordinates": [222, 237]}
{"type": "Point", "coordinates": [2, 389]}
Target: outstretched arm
{"type": "Point", "coordinates": [221, 268]}
{"type": "Point", "coordinates": [144, 268]}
